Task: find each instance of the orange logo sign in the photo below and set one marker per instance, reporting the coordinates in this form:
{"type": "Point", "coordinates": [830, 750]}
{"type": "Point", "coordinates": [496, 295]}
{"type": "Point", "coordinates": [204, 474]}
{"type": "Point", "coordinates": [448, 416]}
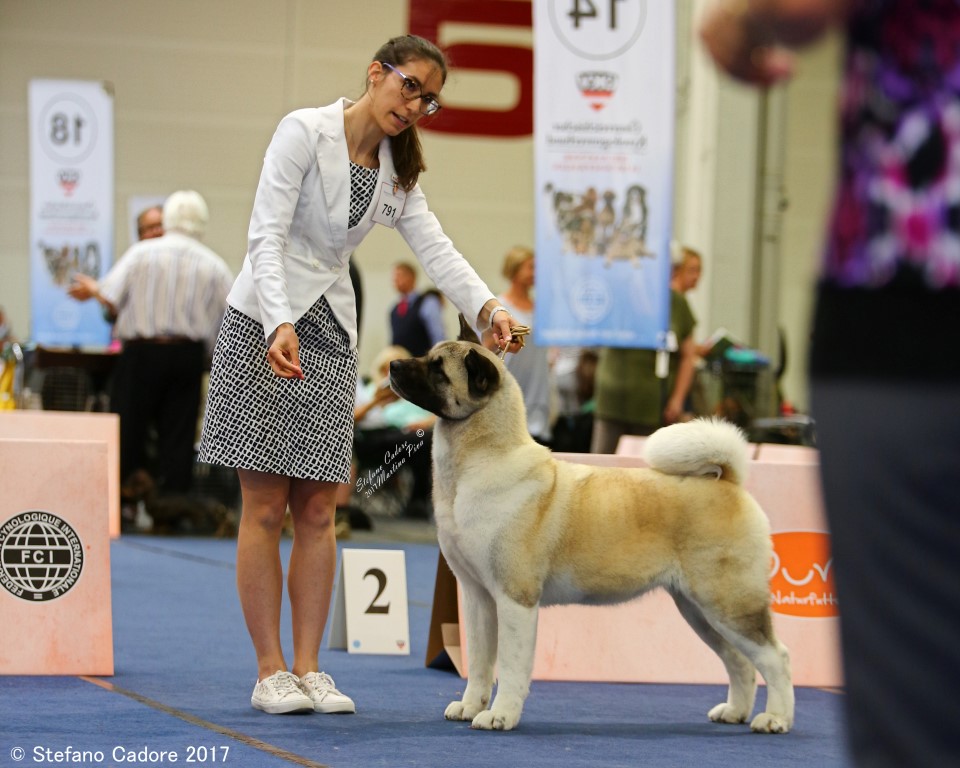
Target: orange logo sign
{"type": "Point", "coordinates": [801, 576]}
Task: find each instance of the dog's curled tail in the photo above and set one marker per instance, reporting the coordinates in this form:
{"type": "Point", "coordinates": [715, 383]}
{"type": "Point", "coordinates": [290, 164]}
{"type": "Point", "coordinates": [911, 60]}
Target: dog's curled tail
{"type": "Point", "coordinates": [701, 447]}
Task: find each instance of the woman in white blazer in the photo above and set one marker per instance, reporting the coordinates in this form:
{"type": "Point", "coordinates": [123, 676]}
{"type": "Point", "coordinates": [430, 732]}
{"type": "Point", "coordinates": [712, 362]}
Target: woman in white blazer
{"type": "Point", "coordinates": [282, 385]}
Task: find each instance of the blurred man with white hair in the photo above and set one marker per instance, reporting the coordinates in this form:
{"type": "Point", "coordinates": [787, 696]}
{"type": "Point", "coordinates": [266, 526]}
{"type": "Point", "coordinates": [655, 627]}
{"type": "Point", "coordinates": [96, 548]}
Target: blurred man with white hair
{"type": "Point", "coordinates": [168, 295]}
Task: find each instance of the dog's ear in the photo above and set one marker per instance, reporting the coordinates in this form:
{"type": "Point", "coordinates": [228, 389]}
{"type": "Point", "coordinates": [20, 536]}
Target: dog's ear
{"type": "Point", "coordinates": [483, 378]}
{"type": "Point", "coordinates": [466, 331]}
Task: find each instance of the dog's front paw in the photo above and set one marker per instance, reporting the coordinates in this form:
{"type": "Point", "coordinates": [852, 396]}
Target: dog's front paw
{"type": "Point", "coordinates": [727, 713]}
{"type": "Point", "coordinates": [767, 722]}
{"type": "Point", "coordinates": [492, 720]}
{"type": "Point", "coordinates": [458, 710]}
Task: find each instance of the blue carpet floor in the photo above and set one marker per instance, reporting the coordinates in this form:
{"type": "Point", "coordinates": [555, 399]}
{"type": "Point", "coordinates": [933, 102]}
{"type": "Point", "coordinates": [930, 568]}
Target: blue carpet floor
{"type": "Point", "coordinates": [185, 670]}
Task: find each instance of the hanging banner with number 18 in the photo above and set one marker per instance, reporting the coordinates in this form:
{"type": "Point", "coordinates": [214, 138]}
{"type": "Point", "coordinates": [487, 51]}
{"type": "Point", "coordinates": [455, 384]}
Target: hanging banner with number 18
{"type": "Point", "coordinates": [71, 207]}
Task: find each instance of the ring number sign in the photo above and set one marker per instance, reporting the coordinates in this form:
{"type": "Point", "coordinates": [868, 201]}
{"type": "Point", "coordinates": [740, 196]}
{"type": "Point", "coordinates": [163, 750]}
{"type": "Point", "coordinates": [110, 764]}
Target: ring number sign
{"type": "Point", "coordinates": [598, 29]}
{"type": "Point", "coordinates": [370, 603]}
{"type": "Point", "coordinates": [68, 129]}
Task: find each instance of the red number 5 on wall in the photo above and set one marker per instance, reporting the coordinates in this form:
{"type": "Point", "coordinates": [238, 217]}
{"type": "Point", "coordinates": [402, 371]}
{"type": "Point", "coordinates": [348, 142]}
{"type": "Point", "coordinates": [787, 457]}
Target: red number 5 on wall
{"type": "Point", "coordinates": [426, 16]}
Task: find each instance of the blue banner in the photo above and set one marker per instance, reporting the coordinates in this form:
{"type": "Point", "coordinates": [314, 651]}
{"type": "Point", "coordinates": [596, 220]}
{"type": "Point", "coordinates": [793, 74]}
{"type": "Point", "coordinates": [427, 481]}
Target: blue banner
{"type": "Point", "coordinates": [71, 207]}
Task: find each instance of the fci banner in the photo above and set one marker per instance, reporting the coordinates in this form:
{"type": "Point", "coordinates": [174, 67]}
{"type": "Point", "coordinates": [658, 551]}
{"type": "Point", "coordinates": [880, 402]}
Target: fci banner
{"type": "Point", "coordinates": [603, 136]}
{"type": "Point", "coordinates": [71, 207]}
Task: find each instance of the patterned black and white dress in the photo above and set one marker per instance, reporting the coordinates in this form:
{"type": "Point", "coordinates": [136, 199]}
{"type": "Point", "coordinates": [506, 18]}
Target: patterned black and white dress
{"type": "Point", "coordinates": [299, 428]}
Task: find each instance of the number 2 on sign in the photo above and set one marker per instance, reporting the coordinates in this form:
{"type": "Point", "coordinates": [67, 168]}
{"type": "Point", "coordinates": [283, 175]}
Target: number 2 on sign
{"type": "Point", "coordinates": [586, 9]}
{"type": "Point", "coordinates": [381, 578]}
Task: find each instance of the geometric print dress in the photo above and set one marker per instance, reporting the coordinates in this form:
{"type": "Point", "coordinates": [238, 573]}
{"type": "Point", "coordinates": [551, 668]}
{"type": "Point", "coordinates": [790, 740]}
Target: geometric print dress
{"type": "Point", "coordinates": [257, 420]}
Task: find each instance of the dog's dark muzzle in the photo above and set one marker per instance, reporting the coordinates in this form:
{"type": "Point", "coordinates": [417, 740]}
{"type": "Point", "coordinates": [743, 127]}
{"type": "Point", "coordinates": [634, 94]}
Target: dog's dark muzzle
{"type": "Point", "coordinates": [399, 373]}
{"type": "Point", "coordinates": [410, 379]}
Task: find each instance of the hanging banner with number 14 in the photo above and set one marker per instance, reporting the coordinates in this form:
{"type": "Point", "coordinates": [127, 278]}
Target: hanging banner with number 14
{"type": "Point", "coordinates": [603, 142]}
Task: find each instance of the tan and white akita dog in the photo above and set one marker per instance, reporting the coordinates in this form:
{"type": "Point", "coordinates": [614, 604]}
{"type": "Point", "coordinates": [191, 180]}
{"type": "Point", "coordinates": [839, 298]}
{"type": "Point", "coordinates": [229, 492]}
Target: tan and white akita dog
{"type": "Point", "coordinates": [521, 529]}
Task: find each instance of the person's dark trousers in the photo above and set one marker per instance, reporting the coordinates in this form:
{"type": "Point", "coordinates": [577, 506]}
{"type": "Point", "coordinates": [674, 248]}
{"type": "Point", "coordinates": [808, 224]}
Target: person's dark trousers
{"type": "Point", "coordinates": [890, 464]}
{"type": "Point", "coordinates": [159, 383]}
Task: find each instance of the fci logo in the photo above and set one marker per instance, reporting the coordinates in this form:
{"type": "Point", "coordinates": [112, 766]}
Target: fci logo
{"type": "Point", "coordinates": [41, 556]}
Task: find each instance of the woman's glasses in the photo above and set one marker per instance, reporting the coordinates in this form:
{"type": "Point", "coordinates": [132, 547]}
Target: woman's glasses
{"type": "Point", "coordinates": [410, 89]}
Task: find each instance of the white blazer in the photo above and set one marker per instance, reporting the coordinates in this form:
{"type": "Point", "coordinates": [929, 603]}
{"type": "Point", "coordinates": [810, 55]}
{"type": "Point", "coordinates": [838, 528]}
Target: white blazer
{"type": "Point", "coordinates": [299, 245]}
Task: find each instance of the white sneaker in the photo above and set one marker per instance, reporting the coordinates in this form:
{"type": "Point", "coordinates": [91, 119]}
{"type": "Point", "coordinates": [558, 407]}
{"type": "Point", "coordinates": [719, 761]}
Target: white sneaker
{"type": "Point", "coordinates": [319, 686]}
{"type": "Point", "coordinates": [280, 694]}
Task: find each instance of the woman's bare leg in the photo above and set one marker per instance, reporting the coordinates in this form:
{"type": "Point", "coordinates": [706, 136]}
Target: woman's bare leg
{"type": "Point", "coordinates": [313, 564]}
{"type": "Point", "coordinates": [259, 571]}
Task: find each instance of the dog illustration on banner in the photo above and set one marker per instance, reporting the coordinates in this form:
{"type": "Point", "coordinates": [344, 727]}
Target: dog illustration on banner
{"type": "Point", "coordinates": [521, 530]}
{"type": "Point", "coordinates": [64, 260]}
{"type": "Point", "coordinates": [589, 224]}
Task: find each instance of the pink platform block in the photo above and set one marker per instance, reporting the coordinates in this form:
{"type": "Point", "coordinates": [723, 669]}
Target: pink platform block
{"type": "Point", "coordinates": [55, 603]}
{"type": "Point", "coordinates": [65, 425]}
{"type": "Point", "coordinates": [646, 640]}
{"type": "Point", "coordinates": [787, 454]}
{"type": "Point", "coordinates": [631, 445]}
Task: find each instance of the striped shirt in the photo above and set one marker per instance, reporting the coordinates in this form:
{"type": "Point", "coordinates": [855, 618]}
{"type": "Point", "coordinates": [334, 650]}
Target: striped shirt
{"type": "Point", "coordinates": [168, 286]}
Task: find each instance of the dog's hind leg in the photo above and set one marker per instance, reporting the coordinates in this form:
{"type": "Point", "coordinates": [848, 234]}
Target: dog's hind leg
{"type": "Point", "coordinates": [743, 675]}
{"type": "Point", "coordinates": [753, 636]}
{"type": "Point", "coordinates": [481, 615]}
{"type": "Point", "coordinates": [773, 661]}
{"type": "Point", "coordinates": [517, 640]}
